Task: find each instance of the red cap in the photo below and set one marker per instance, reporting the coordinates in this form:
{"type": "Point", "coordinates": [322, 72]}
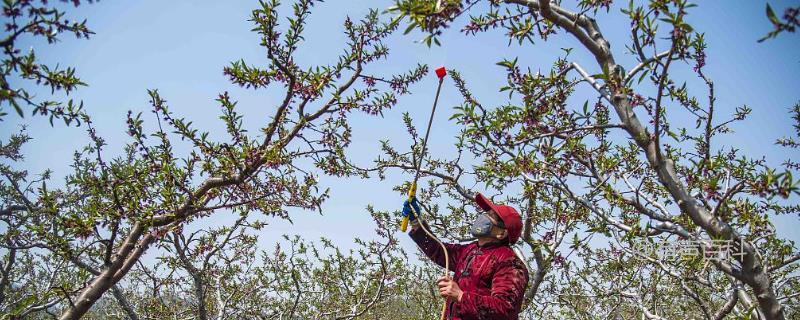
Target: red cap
{"type": "Point", "coordinates": [441, 72]}
{"type": "Point", "coordinates": [508, 214]}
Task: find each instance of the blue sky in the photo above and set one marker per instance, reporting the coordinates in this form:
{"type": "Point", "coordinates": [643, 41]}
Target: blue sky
{"type": "Point", "coordinates": [180, 47]}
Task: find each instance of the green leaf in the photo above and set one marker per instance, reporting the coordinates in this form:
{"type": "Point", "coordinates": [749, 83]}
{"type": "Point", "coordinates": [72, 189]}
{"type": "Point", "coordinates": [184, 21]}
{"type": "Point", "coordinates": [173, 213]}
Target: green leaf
{"type": "Point", "coordinates": [410, 27]}
{"type": "Point", "coordinates": [17, 107]}
{"type": "Point", "coordinates": [509, 64]}
{"type": "Point", "coordinates": [641, 77]}
{"type": "Point", "coordinates": [673, 135]}
{"type": "Point", "coordinates": [771, 16]}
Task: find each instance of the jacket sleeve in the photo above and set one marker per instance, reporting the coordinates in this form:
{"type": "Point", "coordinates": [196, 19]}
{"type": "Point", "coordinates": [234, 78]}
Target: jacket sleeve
{"type": "Point", "coordinates": [433, 250]}
{"type": "Point", "coordinates": [508, 289]}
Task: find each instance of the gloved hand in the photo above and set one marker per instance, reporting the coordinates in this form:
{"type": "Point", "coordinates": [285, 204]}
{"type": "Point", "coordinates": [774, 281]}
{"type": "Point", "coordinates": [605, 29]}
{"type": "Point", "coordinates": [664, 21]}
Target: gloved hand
{"type": "Point", "coordinates": [407, 212]}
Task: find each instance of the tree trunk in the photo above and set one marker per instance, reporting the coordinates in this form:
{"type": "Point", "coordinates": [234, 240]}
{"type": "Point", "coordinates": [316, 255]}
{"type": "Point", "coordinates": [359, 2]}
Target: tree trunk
{"type": "Point", "coordinates": [126, 257]}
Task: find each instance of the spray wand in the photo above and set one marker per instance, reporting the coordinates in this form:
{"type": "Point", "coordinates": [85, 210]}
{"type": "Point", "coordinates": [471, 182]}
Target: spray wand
{"type": "Point", "coordinates": [412, 190]}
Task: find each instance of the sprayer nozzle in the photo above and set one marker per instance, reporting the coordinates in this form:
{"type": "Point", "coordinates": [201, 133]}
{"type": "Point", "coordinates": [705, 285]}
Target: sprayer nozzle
{"type": "Point", "coordinates": [441, 72]}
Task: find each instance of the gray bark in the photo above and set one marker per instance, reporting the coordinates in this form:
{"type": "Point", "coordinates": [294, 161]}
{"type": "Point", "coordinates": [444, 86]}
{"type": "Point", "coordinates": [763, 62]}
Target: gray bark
{"type": "Point", "coordinates": [126, 257]}
{"type": "Point", "coordinates": [123, 303]}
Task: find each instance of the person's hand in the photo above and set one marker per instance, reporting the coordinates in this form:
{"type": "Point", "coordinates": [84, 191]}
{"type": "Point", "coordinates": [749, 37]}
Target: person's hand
{"type": "Point", "coordinates": [407, 212]}
{"type": "Point", "coordinates": [449, 288]}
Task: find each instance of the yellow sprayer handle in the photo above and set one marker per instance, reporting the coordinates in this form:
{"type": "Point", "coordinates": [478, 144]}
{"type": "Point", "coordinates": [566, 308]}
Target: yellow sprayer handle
{"type": "Point", "coordinates": [412, 191]}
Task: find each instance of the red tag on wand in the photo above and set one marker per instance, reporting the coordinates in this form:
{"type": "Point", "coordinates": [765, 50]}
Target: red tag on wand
{"type": "Point", "coordinates": [441, 72]}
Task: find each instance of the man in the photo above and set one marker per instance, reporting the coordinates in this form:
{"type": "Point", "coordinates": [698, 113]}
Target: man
{"type": "Point", "coordinates": [489, 280]}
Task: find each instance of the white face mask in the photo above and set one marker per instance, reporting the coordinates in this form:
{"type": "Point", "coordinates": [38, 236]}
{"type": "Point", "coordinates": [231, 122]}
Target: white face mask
{"type": "Point", "coordinates": [482, 226]}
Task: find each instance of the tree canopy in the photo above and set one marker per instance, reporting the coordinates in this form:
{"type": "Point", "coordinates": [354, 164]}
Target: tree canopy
{"type": "Point", "coordinates": [628, 183]}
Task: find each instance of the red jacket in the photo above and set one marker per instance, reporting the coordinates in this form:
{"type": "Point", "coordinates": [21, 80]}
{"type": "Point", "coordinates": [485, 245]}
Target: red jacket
{"type": "Point", "coordinates": [492, 278]}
